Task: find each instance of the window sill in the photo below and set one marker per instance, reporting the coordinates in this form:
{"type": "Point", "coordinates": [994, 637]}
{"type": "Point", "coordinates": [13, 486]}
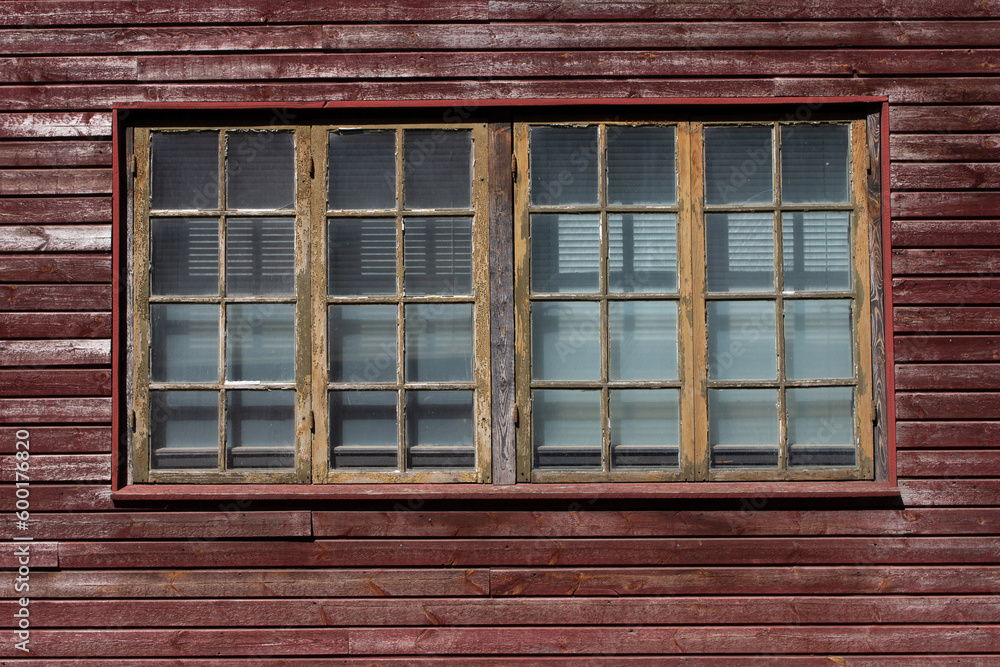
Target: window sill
{"type": "Point", "coordinates": [393, 492]}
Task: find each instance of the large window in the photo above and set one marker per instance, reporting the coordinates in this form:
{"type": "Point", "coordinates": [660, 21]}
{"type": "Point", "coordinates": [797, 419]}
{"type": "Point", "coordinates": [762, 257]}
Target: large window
{"type": "Point", "coordinates": [312, 303]}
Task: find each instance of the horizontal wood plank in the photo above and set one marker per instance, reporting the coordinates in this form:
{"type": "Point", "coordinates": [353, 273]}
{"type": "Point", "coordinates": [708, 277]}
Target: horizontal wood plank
{"type": "Point", "coordinates": [222, 522]}
{"type": "Point", "coordinates": [74, 352]}
{"type": "Point", "coordinates": [947, 434]}
{"type": "Point", "coordinates": [55, 153]}
{"type": "Point", "coordinates": [46, 210]}
{"type": "Point", "coordinates": [63, 326]}
{"type": "Point", "coordinates": [953, 377]}
{"type": "Point", "coordinates": [945, 176]}
{"type": "Point", "coordinates": [961, 204]}
{"type": "Point", "coordinates": [496, 641]}
{"type": "Point", "coordinates": [55, 238]}
{"type": "Point", "coordinates": [863, 580]}
{"type": "Point", "coordinates": [947, 319]}
{"type": "Point", "coordinates": [34, 555]}
{"type": "Point", "coordinates": [949, 463]}
{"type": "Point", "coordinates": [55, 268]}
{"type": "Point", "coordinates": [947, 348]}
{"type": "Point", "coordinates": [948, 405]}
{"type": "Point", "coordinates": [945, 233]}
{"type": "Point", "coordinates": [239, 583]}
{"type": "Point", "coordinates": [744, 519]}
{"type": "Point", "coordinates": [54, 410]}
{"type": "Point", "coordinates": [943, 492]}
{"type": "Point", "coordinates": [46, 382]}
{"type": "Point", "coordinates": [618, 552]}
{"type": "Point", "coordinates": [945, 261]}
{"type": "Point", "coordinates": [941, 147]}
{"type": "Point", "coordinates": [57, 439]}
{"type": "Point", "coordinates": [946, 290]}
{"type": "Point", "coordinates": [938, 120]}
{"type": "Point", "coordinates": [48, 125]}
{"type": "Point", "coordinates": [64, 497]}
{"type": "Point", "coordinates": [376, 612]}
{"type": "Point", "coordinates": [55, 182]}
{"type": "Point", "coordinates": [55, 297]}
{"type": "Point", "coordinates": [60, 468]}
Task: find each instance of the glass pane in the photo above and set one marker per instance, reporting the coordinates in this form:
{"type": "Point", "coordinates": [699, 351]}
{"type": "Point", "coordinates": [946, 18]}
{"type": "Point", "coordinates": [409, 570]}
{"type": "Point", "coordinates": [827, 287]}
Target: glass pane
{"type": "Point", "coordinates": [184, 342]}
{"type": "Point", "coordinates": [363, 343]}
{"type": "Point", "coordinates": [814, 163]}
{"type": "Point", "coordinates": [184, 429]}
{"type": "Point", "coordinates": [439, 430]}
{"type": "Point", "coordinates": [818, 339]}
{"type": "Point", "coordinates": [565, 252]}
{"type": "Point", "coordinates": [820, 426]}
{"type": "Point", "coordinates": [184, 172]}
{"type": "Point", "coordinates": [642, 340]}
{"type": "Point", "coordinates": [438, 168]}
{"type": "Point", "coordinates": [742, 343]}
{"type": "Point", "coordinates": [260, 256]}
{"type": "Point", "coordinates": [739, 165]}
{"type": "Point", "coordinates": [565, 340]}
{"type": "Point", "coordinates": [260, 429]}
{"type": "Point", "coordinates": [437, 256]}
{"type": "Point", "coordinates": [260, 342]}
{"type": "Point", "coordinates": [439, 342]}
{"type": "Point", "coordinates": [362, 170]}
{"type": "Point", "coordinates": [566, 428]}
{"type": "Point", "coordinates": [642, 252]}
{"type": "Point", "coordinates": [362, 256]}
{"type": "Point", "coordinates": [740, 252]}
{"type": "Point", "coordinates": [260, 170]}
{"type": "Point", "coordinates": [563, 165]}
{"type": "Point", "coordinates": [817, 250]}
{"type": "Point", "coordinates": [363, 429]}
{"type": "Point", "coordinates": [641, 165]}
{"type": "Point", "coordinates": [743, 427]}
{"type": "Point", "coordinates": [645, 428]}
{"type": "Point", "coordinates": [185, 256]}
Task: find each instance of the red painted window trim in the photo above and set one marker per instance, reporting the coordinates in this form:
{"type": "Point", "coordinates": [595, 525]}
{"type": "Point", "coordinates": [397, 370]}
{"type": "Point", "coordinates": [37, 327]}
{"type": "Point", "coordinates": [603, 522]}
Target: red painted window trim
{"type": "Point", "coordinates": [119, 455]}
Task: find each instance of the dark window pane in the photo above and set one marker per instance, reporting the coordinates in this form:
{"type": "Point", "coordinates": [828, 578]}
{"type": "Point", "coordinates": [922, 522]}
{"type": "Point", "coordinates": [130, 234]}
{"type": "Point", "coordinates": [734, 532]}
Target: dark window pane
{"type": "Point", "coordinates": [565, 252]}
{"type": "Point", "coordinates": [260, 170]}
{"type": "Point", "coordinates": [363, 429]}
{"type": "Point", "coordinates": [362, 256]}
{"type": "Point", "coordinates": [566, 428]}
{"type": "Point", "coordinates": [645, 428]}
{"type": "Point", "coordinates": [437, 256]}
{"type": "Point", "coordinates": [362, 170]}
{"type": "Point", "coordinates": [184, 429]}
{"type": "Point", "coordinates": [740, 252]}
{"type": "Point", "coordinates": [185, 170]}
{"type": "Point", "coordinates": [820, 426]}
{"type": "Point", "coordinates": [743, 427]}
{"type": "Point", "coordinates": [439, 431]}
{"type": "Point", "coordinates": [814, 164]}
{"type": "Point", "coordinates": [738, 165]}
{"type": "Point", "coordinates": [363, 343]}
{"type": "Point", "coordinates": [641, 165]}
{"type": "Point", "coordinates": [260, 429]}
{"type": "Point", "coordinates": [185, 256]}
{"type": "Point", "coordinates": [563, 165]}
{"type": "Point", "coordinates": [438, 168]}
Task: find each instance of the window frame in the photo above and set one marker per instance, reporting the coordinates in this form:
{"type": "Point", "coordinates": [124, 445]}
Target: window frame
{"type": "Point", "coordinates": [505, 415]}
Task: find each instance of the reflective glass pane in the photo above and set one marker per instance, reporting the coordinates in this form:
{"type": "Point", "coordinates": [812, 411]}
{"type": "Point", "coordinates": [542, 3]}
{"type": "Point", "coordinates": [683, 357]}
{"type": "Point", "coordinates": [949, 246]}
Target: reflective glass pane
{"type": "Point", "coordinates": [437, 256]}
{"type": "Point", "coordinates": [743, 427]}
{"type": "Point", "coordinates": [820, 426]}
{"type": "Point", "coordinates": [816, 248]}
{"type": "Point", "coordinates": [439, 429]}
{"type": "Point", "coordinates": [438, 342]}
{"type": "Point", "coordinates": [818, 339]}
{"type": "Point", "coordinates": [645, 427]}
{"type": "Point", "coordinates": [184, 342]}
{"type": "Point", "coordinates": [362, 170]}
{"type": "Point", "coordinates": [641, 165]}
{"type": "Point", "coordinates": [740, 252]}
{"type": "Point", "coordinates": [185, 256]}
{"type": "Point", "coordinates": [566, 428]}
{"type": "Point", "coordinates": [363, 343]}
{"type": "Point", "coordinates": [742, 343]}
{"type": "Point", "coordinates": [184, 173]}
{"type": "Point", "coordinates": [565, 340]}
{"type": "Point", "coordinates": [363, 429]}
{"type": "Point", "coordinates": [260, 170]}
{"type": "Point", "coordinates": [642, 340]}
{"type": "Point", "coordinates": [739, 165]}
{"type": "Point", "coordinates": [814, 163]}
{"type": "Point", "coordinates": [260, 256]}
{"type": "Point", "coordinates": [260, 429]}
{"type": "Point", "coordinates": [563, 165]}
{"type": "Point", "coordinates": [184, 429]}
{"type": "Point", "coordinates": [438, 168]}
{"type": "Point", "coordinates": [260, 342]}
{"type": "Point", "coordinates": [642, 252]}
{"type": "Point", "coordinates": [362, 256]}
{"type": "Point", "coordinates": [565, 252]}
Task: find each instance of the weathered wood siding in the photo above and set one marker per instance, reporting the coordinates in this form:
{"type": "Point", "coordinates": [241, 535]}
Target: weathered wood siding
{"type": "Point", "coordinates": [737, 582]}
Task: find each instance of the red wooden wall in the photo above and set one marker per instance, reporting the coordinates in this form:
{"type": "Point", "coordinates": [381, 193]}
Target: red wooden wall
{"type": "Point", "coordinates": [746, 581]}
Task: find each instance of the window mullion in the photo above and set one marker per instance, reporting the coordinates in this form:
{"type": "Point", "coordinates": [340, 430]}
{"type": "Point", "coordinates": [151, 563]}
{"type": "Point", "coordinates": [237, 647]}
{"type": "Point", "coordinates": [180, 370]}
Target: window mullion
{"type": "Point", "coordinates": [304, 425]}
{"type": "Point", "coordinates": [316, 223]}
{"type": "Point", "coordinates": [141, 287]}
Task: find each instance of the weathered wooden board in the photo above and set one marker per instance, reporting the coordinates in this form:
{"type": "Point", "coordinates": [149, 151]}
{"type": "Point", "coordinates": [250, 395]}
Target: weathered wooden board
{"type": "Point", "coordinates": [49, 124]}
{"type": "Point", "coordinates": [46, 210]}
{"type": "Point", "coordinates": [60, 468]}
{"type": "Point", "coordinates": [221, 522]}
{"type": "Point", "coordinates": [55, 238]}
{"type": "Point", "coordinates": [55, 297]}
{"type": "Point", "coordinates": [49, 182]}
{"type": "Point", "coordinates": [945, 176]}
{"type": "Point", "coordinates": [945, 233]}
{"type": "Point", "coordinates": [948, 348]}
{"type": "Point", "coordinates": [55, 153]}
{"type": "Point", "coordinates": [941, 120]}
{"type": "Point", "coordinates": [949, 463]}
{"type": "Point", "coordinates": [47, 382]}
{"type": "Point", "coordinates": [948, 434]}
{"type": "Point", "coordinates": [947, 319]}
{"type": "Point", "coordinates": [277, 612]}
{"type": "Point", "coordinates": [240, 583]}
{"type": "Point", "coordinates": [68, 352]}
{"type": "Point", "coordinates": [942, 147]}
{"type": "Point", "coordinates": [40, 555]}
{"type": "Point", "coordinates": [949, 205]}
{"type": "Point", "coordinates": [56, 325]}
{"type": "Point", "coordinates": [951, 377]}
{"type": "Point", "coordinates": [953, 492]}
{"type": "Point", "coordinates": [948, 405]}
{"type": "Point", "coordinates": [58, 439]}
{"type": "Point", "coordinates": [54, 410]}
{"type": "Point", "coordinates": [944, 261]}
{"type": "Point", "coordinates": [744, 520]}
{"type": "Point", "coordinates": [64, 497]}
{"type": "Point", "coordinates": [946, 290]}
{"type": "Point", "coordinates": [53, 268]}
{"type": "Point", "coordinates": [511, 552]}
